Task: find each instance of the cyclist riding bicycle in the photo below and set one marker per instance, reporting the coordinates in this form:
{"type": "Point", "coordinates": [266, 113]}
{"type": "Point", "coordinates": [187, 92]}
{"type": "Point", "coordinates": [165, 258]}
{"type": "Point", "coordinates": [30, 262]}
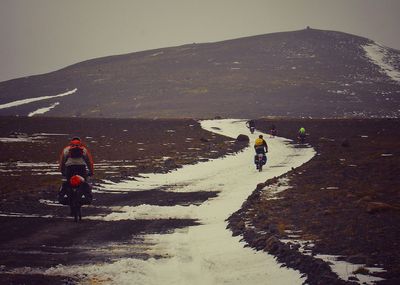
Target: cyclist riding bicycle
{"type": "Point", "coordinates": [261, 148]}
{"type": "Point", "coordinates": [301, 135]}
{"type": "Point", "coordinates": [75, 159]}
{"type": "Point", "coordinates": [260, 145]}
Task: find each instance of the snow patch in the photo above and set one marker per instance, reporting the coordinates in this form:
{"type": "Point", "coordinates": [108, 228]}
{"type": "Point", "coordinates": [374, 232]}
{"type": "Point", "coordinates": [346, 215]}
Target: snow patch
{"type": "Point", "coordinates": [380, 56]}
{"type": "Point", "coordinates": [343, 269]}
{"type": "Point", "coordinates": [157, 53]}
{"type": "Point", "coordinates": [30, 100]}
{"type": "Point", "coordinates": [270, 192]}
{"type": "Point", "coordinates": [149, 212]}
{"type": "Point", "coordinates": [16, 140]}
{"type": "Point", "coordinates": [22, 137]}
{"type": "Point", "coordinates": [43, 110]}
{"type": "Point", "coordinates": [22, 215]}
{"type": "Point", "coordinates": [50, 203]}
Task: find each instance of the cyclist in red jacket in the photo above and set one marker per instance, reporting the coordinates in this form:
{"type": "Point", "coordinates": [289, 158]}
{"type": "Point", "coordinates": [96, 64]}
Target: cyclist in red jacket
{"type": "Point", "coordinates": [76, 159]}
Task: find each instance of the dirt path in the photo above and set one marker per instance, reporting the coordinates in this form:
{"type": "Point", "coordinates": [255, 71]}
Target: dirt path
{"type": "Point", "coordinates": [100, 245]}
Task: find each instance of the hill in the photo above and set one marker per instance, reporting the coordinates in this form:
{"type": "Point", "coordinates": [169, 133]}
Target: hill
{"type": "Point", "coordinates": [294, 74]}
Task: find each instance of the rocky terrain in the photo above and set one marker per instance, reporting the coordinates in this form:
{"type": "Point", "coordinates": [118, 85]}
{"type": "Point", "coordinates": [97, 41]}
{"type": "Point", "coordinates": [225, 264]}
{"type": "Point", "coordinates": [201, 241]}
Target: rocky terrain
{"type": "Point", "coordinates": [344, 202]}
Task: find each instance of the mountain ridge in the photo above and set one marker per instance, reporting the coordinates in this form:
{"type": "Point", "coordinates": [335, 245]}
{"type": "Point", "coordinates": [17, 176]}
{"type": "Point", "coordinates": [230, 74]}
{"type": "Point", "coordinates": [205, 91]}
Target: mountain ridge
{"type": "Point", "coordinates": [305, 73]}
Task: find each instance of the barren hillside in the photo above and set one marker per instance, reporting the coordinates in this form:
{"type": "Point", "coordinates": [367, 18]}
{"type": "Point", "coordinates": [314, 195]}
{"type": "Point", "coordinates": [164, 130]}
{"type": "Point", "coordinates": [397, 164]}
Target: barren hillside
{"type": "Point", "coordinates": [294, 74]}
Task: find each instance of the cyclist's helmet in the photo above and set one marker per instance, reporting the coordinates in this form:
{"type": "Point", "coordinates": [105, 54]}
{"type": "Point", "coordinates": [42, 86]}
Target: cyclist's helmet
{"type": "Point", "coordinates": [75, 141]}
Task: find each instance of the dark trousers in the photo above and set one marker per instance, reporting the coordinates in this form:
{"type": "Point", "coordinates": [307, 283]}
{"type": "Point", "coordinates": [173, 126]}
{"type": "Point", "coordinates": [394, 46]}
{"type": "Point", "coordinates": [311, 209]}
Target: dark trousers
{"type": "Point", "coordinates": [72, 170]}
{"type": "Point", "coordinates": [260, 150]}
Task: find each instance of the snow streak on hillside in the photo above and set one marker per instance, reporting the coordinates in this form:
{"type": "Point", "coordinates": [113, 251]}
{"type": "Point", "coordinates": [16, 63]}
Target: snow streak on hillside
{"type": "Point", "coordinates": [43, 110]}
{"type": "Point", "coordinates": [30, 100]}
{"type": "Point", "coordinates": [382, 57]}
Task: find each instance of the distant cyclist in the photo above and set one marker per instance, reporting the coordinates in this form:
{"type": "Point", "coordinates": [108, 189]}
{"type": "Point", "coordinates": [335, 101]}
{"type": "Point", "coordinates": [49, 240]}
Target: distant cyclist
{"type": "Point", "coordinates": [260, 145]}
{"type": "Point", "coordinates": [261, 148]}
{"type": "Point", "coordinates": [301, 135]}
{"type": "Point", "coordinates": [273, 131]}
{"type": "Point", "coordinates": [251, 124]}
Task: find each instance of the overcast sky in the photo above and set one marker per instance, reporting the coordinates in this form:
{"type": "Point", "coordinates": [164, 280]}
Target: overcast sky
{"type": "Point", "coordinates": [39, 36]}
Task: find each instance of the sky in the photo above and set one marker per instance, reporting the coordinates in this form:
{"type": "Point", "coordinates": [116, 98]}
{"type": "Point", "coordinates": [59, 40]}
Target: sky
{"type": "Point", "coordinates": [41, 36]}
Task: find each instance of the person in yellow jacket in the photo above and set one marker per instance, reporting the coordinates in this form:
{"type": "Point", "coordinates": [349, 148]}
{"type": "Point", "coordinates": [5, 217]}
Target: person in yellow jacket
{"type": "Point", "coordinates": [260, 145]}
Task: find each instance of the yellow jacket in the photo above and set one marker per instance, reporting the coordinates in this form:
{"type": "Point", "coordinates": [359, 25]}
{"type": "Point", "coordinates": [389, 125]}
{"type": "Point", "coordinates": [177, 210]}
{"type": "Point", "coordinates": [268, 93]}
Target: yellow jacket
{"type": "Point", "coordinates": [259, 142]}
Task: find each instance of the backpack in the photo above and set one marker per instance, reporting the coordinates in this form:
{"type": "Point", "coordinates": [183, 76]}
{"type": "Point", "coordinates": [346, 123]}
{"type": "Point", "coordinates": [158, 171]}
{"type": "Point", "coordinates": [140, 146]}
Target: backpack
{"type": "Point", "coordinates": [75, 151]}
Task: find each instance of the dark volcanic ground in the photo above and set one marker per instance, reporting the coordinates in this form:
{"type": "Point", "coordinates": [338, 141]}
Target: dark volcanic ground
{"type": "Point", "coordinates": [29, 174]}
{"type": "Point", "coordinates": [345, 200]}
{"type": "Point", "coordinates": [116, 145]}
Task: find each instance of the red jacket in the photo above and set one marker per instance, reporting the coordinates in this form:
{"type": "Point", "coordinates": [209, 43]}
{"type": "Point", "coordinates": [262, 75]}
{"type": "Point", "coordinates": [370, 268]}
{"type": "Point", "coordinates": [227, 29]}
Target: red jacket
{"type": "Point", "coordinates": [85, 159]}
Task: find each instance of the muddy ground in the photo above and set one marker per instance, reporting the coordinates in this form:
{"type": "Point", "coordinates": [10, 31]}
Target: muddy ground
{"type": "Point", "coordinates": [346, 199]}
